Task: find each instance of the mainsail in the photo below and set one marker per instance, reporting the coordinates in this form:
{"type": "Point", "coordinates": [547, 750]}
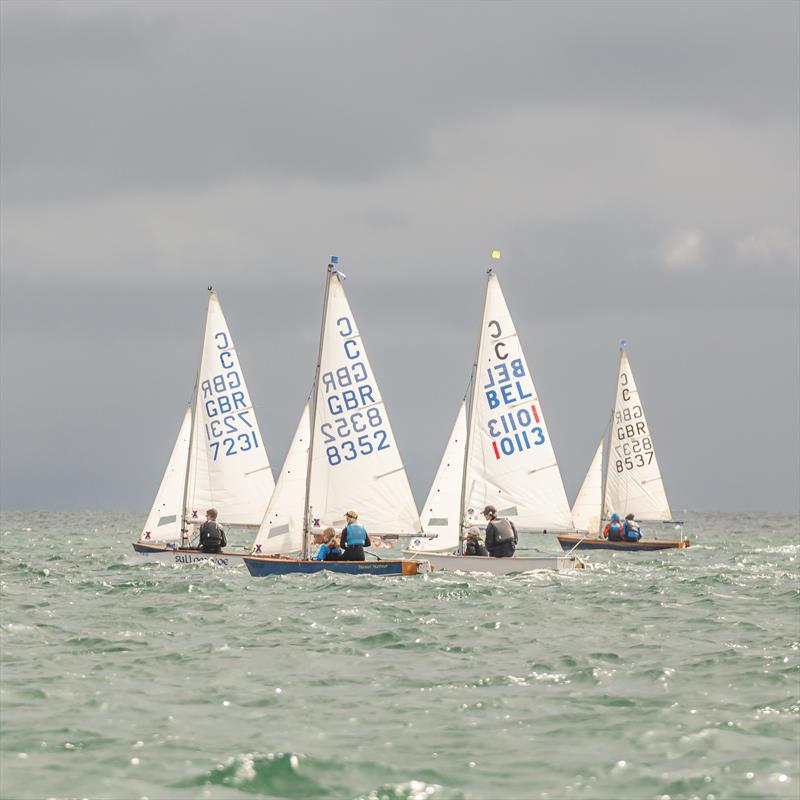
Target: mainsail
{"type": "Point", "coordinates": [441, 514]}
{"type": "Point", "coordinates": [219, 460]}
{"type": "Point", "coordinates": [354, 461]}
{"type": "Point", "coordinates": [511, 463]}
{"type": "Point", "coordinates": [586, 510]}
{"type": "Point", "coordinates": [228, 465]}
{"type": "Point", "coordinates": [633, 479]}
{"type": "Point", "coordinates": [282, 528]}
{"type": "Point", "coordinates": [164, 520]}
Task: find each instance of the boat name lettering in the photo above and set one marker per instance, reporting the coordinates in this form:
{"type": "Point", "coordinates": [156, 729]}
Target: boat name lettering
{"type": "Point", "coordinates": [184, 558]}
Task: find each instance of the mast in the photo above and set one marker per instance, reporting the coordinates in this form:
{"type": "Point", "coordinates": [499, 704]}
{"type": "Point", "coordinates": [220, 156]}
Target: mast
{"type": "Point", "coordinates": [313, 411]}
{"type": "Point", "coordinates": [607, 453]}
{"type": "Point", "coordinates": [184, 524]}
{"type": "Point", "coordinates": [471, 409]}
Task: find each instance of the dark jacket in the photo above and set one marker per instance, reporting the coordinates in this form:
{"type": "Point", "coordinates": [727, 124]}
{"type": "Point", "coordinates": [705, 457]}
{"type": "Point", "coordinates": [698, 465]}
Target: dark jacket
{"type": "Point", "coordinates": [475, 547]}
{"type": "Point", "coordinates": [212, 537]}
{"type": "Point", "coordinates": [501, 538]}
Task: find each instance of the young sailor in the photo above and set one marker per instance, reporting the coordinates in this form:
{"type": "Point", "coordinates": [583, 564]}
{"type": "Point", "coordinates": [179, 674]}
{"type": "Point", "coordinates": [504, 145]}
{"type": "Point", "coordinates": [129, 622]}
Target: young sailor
{"type": "Point", "coordinates": [212, 535]}
{"type": "Point", "coordinates": [474, 546]}
{"type": "Point", "coordinates": [354, 539]}
{"type": "Point", "coordinates": [630, 529]}
{"type": "Point", "coordinates": [329, 550]}
{"type": "Point", "coordinates": [613, 529]}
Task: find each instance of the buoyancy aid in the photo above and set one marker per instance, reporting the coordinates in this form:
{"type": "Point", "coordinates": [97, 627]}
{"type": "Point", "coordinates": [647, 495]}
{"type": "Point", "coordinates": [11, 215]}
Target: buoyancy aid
{"type": "Point", "coordinates": [613, 531]}
{"type": "Point", "coordinates": [631, 531]}
{"type": "Point", "coordinates": [356, 535]}
{"type": "Point", "coordinates": [212, 533]}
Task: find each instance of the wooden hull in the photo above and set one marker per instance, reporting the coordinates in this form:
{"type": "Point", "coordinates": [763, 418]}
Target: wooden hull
{"type": "Point", "coordinates": [161, 554]}
{"type": "Point", "coordinates": [498, 566]}
{"type": "Point", "coordinates": [577, 542]}
{"type": "Point", "coordinates": [262, 566]}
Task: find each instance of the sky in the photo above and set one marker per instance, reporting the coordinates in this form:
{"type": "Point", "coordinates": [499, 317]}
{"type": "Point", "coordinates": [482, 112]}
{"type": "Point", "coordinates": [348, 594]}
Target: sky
{"type": "Point", "coordinates": [637, 165]}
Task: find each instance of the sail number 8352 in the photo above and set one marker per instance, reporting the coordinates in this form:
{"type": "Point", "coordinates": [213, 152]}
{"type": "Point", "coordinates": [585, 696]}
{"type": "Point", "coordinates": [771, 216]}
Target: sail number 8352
{"type": "Point", "coordinates": [354, 435]}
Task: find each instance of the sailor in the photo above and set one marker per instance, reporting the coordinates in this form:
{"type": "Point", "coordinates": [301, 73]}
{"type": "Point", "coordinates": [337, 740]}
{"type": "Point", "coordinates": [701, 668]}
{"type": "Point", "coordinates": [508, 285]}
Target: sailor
{"type": "Point", "coordinates": [354, 539]}
{"type": "Point", "coordinates": [212, 535]}
{"type": "Point", "coordinates": [329, 549]}
{"type": "Point", "coordinates": [474, 546]}
{"type": "Point", "coordinates": [630, 529]}
{"type": "Point", "coordinates": [501, 535]}
{"type": "Point", "coordinates": [613, 529]}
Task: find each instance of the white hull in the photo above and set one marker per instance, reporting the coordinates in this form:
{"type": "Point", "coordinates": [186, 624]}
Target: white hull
{"type": "Point", "coordinates": [169, 555]}
{"type": "Point", "coordinates": [497, 566]}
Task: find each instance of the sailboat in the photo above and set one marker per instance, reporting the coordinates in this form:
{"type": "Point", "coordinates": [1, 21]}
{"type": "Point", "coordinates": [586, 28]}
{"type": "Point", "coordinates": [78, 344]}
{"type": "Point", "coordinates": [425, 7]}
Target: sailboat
{"type": "Point", "coordinates": [631, 481]}
{"type": "Point", "coordinates": [499, 453]}
{"type": "Point", "coordinates": [343, 456]}
{"type": "Point", "coordinates": [219, 459]}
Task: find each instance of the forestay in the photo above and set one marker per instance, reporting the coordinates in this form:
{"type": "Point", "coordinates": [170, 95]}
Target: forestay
{"type": "Point", "coordinates": [586, 510]}
{"type": "Point", "coordinates": [633, 479]}
{"type": "Point", "coordinates": [355, 462]}
{"type": "Point", "coordinates": [511, 462]}
{"type": "Point", "coordinates": [282, 528]}
{"type": "Point", "coordinates": [228, 465]}
{"type": "Point", "coordinates": [441, 514]}
{"type": "Point", "coordinates": [164, 520]}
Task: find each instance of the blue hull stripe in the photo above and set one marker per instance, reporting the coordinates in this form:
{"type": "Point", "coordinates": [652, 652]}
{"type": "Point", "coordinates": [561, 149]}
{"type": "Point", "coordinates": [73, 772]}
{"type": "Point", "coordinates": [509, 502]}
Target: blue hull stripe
{"type": "Point", "coordinates": [284, 566]}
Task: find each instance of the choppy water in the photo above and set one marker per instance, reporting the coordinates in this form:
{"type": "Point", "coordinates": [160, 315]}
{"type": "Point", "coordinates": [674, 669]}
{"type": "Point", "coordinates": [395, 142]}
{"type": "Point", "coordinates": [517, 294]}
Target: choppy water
{"type": "Point", "coordinates": [672, 675]}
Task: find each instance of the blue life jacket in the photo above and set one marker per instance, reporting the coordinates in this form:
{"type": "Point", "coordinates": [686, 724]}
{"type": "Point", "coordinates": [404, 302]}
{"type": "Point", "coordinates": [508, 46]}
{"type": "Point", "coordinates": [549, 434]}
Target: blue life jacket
{"type": "Point", "coordinates": [615, 531]}
{"type": "Point", "coordinates": [325, 550]}
{"type": "Point", "coordinates": [631, 531]}
{"type": "Point", "coordinates": [355, 535]}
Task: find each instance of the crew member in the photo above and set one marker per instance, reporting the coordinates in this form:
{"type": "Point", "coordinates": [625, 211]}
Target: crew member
{"type": "Point", "coordinates": [474, 546]}
{"type": "Point", "coordinates": [212, 535]}
{"type": "Point", "coordinates": [630, 529]}
{"type": "Point", "coordinates": [613, 529]}
{"type": "Point", "coordinates": [501, 535]}
{"type": "Point", "coordinates": [329, 549]}
{"type": "Point", "coordinates": [354, 539]}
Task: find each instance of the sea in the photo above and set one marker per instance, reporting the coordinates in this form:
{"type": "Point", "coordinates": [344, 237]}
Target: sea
{"type": "Point", "coordinates": [669, 675]}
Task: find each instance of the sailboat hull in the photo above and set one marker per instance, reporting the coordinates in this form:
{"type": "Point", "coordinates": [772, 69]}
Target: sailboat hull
{"type": "Point", "coordinates": [161, 554]}
{"type": "Point", "coordinates": [574, 542]}
{"type": "Point", "coordinates": [261, 567]}
{"type": "Point", "coordinates": [499, 566]}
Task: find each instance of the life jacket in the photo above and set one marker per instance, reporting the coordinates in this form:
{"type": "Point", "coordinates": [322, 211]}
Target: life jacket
{"type": "Point", "coordinates": [503, 532]}
{"type": "Point", "coordinates": [212, 533]}
{"type": "Point", "coordinates": [613, 531]}
{"type": "Point", "coordinates": [631, 531]}
{"type": "Point", "coordinates": [356, 535]}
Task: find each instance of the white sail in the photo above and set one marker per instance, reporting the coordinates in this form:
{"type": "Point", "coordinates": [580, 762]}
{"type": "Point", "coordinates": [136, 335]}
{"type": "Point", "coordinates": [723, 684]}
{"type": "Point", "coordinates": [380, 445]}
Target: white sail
{"type": "Point", "coordinates": [164, 520]}
{"type": "Point", "coordinates": [511, 462]}
{"type": "Point", "coordinates": [228, 465]}
{"type": "Point", "coordinates": [441, 514]}
{"type": "Point", "coordinates": [586, 510]}
{"type": "Point", "coordinates": [633, 479]}
{"type": "Point", "coordinates": [355, 463]}
{"type": "Point", "coordinates": [282, 528]}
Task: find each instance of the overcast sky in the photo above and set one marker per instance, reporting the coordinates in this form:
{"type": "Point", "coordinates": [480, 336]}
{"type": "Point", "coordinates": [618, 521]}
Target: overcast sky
{"type": "Point", "coordinates": [636, 163]}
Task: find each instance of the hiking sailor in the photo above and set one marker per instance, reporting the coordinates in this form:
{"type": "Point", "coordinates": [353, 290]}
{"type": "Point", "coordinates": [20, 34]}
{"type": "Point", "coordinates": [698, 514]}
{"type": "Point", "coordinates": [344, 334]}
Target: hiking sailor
{"type": "Point", "coordinates": [212, 536]}
{"type": "Point", "coordinates": [501, 535]}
